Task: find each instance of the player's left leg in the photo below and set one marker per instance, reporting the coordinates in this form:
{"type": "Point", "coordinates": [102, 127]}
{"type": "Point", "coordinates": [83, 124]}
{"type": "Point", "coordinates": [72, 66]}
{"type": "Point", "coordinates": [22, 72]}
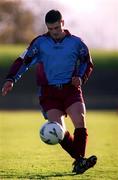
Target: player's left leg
{"type": "Point", "coordinates": [77, 113]}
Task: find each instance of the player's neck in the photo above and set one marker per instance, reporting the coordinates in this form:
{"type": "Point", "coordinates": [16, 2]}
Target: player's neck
{"type": "Point", "coordinates": [62, 36]}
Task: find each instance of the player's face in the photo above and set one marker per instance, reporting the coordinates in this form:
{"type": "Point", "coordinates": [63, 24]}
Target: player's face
{"type": "Point", "coordinates": [55, 29]}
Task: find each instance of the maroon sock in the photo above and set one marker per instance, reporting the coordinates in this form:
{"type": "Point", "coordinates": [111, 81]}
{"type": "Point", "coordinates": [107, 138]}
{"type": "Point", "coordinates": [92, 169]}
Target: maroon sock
{"type": "Point", "coordinates": [79, 143]}
{"type": "Point", "coordinates": [67, 143]}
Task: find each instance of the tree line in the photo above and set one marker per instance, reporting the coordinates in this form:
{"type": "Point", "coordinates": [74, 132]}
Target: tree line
{"type": "Point", "coordinates": [19, 23]}
{"type": "Point", "coordinates": [16, 22]}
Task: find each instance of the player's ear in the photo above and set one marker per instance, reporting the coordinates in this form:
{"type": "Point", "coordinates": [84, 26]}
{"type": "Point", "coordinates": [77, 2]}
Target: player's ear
{"type": "Point", "coordinates": [62, 22]}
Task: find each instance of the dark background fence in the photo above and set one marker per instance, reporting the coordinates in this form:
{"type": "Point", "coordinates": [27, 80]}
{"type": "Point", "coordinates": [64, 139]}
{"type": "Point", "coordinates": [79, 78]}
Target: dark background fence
{"type": "Point", "coordinates": [100, 92]}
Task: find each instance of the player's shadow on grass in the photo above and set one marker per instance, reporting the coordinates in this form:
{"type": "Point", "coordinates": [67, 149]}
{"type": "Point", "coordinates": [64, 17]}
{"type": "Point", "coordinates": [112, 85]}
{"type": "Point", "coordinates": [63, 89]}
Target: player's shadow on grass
{"type": "Point", "coordinates": [46, 176]}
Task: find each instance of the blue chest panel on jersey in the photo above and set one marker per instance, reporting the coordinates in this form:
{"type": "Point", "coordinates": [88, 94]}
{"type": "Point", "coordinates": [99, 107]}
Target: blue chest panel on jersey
{"type": "Point", "coordinates": [59, 58]}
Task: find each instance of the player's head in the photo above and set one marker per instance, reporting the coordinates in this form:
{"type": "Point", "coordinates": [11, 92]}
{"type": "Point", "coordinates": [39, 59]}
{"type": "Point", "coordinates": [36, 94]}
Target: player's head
{"type": "Point", "coordinates": [53, 16]}
{"type": "Point", "coordinates": [54, 23]}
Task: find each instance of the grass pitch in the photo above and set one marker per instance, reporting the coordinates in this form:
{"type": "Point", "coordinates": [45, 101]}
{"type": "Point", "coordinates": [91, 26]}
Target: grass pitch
{"type": "Point", "coordinates": [24, 156]}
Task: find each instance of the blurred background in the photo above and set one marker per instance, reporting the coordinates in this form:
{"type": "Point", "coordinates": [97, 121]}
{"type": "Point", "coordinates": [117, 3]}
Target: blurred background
{"type": "Point", "coordinates": [95, 21]}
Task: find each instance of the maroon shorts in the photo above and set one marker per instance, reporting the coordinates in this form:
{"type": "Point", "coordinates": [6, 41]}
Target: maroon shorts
{"type": "Point", "coordinates": [59, 97]}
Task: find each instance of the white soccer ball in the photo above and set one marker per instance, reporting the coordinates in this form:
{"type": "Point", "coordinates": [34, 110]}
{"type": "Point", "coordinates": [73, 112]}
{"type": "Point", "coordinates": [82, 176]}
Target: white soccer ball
{"type": "Point", "coordinates": [51, 133]}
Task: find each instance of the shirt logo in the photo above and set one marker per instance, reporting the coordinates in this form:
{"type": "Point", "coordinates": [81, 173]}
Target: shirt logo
{"type": "Point", "coordinates": [83, 51]}
{"type": "Point", "coordinates": [34, 51]}
{"type": "Point", "coordinates": [58, 46]}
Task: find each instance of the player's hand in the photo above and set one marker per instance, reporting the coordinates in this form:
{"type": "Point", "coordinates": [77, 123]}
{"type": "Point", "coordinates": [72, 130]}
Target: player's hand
{"type": "Point", "coordinates": [8, 85]}
{"type": "Point", "coordinates": [76, 81]}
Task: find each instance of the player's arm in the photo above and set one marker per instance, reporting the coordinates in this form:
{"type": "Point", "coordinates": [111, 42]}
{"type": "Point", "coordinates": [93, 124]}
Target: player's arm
{"type": "Point", "coordinates": [18, 68]}
{"type": "Point", "coordinates": [10, 78]}
{"type": "Point", "coordinates": [84, 65]}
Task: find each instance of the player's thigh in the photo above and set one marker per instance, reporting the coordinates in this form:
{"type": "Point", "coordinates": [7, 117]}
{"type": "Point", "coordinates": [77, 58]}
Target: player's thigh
{"type": "Point", "coordinates": [77, 112]}
{"type": "Point", "coordinates": [55, 115]}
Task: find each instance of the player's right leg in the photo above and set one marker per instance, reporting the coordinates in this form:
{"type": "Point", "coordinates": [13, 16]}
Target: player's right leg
{"type": "Point", "coordinates": [56, 115]}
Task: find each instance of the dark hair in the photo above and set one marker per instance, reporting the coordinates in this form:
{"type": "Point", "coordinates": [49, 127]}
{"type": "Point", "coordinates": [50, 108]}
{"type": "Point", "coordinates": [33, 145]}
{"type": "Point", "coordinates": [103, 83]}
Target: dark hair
{"type": "Point", "coordinates": [53, 16]}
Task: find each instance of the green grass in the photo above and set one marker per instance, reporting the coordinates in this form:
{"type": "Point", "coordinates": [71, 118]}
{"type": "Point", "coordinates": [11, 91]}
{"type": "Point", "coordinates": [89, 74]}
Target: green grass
{"type": "Point", "coordinates": [24, 156]}
{"type": "Point", "coordinates": [8, 53]}
{"type": "Point", "coordinates": [105, 58]}
{"type": "Point", "coordinates": [101, 58]}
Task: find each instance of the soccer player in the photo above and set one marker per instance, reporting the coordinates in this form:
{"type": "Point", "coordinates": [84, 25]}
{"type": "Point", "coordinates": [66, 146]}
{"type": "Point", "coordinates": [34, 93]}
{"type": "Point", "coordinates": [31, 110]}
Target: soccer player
{"type": "Point", "coordinates": [63, 66]}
